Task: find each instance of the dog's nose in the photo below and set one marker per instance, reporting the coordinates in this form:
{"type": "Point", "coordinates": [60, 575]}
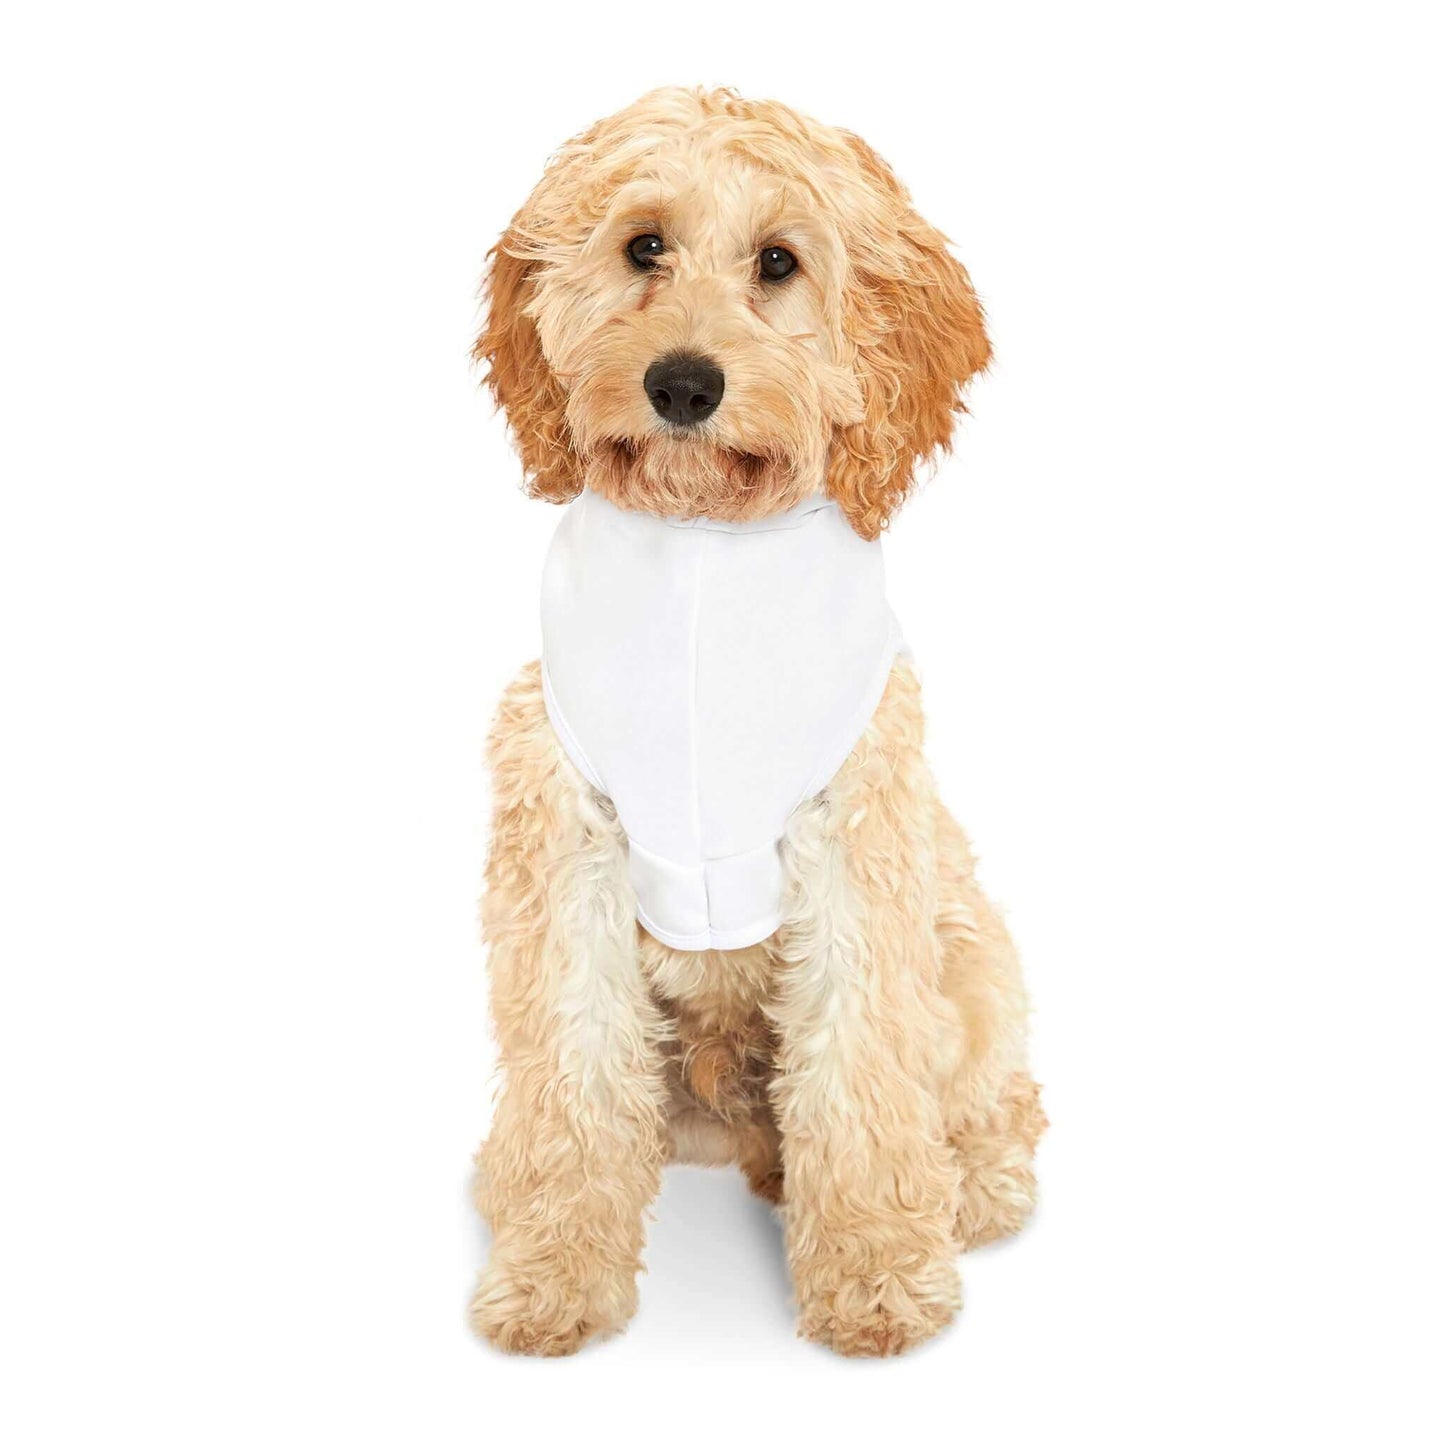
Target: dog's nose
{"type": "Point", "coordinates": [684, 388]}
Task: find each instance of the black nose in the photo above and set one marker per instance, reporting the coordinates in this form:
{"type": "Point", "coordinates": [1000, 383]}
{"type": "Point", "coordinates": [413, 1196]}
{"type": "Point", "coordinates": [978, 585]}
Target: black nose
{"type": "Point", "coordinates": [684, 388]}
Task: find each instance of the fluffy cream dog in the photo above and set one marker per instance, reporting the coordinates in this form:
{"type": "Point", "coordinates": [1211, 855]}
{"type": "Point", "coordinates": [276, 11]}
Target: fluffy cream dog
{"type": "Point", "coordinates": [865, 1064]}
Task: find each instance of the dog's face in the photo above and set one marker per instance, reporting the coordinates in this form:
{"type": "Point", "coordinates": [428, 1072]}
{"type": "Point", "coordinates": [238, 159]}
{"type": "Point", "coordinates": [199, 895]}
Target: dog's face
{"type": "Point", "coordinates": [716, 307]}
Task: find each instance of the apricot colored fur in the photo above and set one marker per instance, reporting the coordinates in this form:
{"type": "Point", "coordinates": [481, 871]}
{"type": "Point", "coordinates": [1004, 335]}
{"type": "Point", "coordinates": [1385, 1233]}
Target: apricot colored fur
{"type": "Point", "coordinates": [865, 1066]}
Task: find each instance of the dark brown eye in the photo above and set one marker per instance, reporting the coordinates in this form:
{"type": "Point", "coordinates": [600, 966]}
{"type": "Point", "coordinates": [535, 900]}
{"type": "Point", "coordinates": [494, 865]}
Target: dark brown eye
{"type": "Point", "coordinates": [643, 251]}
{"type": "Point", "coordinates": [775, 263]}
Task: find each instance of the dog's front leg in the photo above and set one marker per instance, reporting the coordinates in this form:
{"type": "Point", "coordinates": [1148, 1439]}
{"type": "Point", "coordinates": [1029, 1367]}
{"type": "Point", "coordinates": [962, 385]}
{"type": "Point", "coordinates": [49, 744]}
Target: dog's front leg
{"type": "Point", "coordinates": [871, 1187]}
{"type": "Point", "coordinates": [575, 1152]}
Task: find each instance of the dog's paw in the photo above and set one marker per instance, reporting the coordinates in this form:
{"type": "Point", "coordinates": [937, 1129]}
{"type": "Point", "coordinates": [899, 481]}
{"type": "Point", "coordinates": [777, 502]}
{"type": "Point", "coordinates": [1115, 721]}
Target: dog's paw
{"type": "Point", "coordinates": [767, 1184]}
{"type": "Point", "coordinates": [539, 1312]}
{"type": "Point", "coordinates": [884, 1312]}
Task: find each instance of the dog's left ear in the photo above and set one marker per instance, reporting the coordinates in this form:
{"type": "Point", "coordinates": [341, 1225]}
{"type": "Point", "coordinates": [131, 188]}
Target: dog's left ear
{"type": "Point", "coordinates": [917, 326]}
{"type": "Point", "coordinates": [523, 383]}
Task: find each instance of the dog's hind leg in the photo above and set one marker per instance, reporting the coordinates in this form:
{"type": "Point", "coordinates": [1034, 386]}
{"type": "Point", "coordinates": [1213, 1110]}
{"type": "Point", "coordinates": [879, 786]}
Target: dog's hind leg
{"type": "Point", "coordinates": [996, 1165]}
{"type": "Point", "coordinates": [991, 1104]}
{"type": "Point", "coordinates": [576, 1148]}
{"type": "Point", "coordinates": [698, 1136]}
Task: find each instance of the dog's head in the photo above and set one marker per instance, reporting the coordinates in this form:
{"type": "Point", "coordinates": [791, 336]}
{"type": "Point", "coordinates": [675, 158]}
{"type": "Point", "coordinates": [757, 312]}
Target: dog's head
{"type": "Point", "coordinates": [714, 307]}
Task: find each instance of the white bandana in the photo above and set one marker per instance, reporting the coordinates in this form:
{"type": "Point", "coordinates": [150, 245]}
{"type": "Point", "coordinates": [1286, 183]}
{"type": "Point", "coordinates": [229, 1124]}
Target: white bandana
{"type": "Point", "coordinates": [708, 677]}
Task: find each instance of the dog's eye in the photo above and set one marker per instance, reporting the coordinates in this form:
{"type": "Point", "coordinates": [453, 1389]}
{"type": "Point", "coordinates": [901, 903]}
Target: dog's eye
{"type": "Point", "coordinates": [643, 251]}
{"type": "Point", "coordinates": [776, 263]}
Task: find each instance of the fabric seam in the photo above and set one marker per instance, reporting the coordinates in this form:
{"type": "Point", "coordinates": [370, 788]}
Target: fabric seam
{"type": "Point", "coordinates": [859, 720]}
{"type": "Point", "coordinates": [732, 938]}
{"type": "Point", "coordinates": [566, 736]}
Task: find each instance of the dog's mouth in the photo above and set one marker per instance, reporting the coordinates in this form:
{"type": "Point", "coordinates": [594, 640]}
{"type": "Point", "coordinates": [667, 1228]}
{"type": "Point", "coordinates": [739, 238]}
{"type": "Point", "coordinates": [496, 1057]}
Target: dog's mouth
{"type": "Point", "coordinates": [693, 477]}
{"type": "Point", "coordinates": [743, 469]}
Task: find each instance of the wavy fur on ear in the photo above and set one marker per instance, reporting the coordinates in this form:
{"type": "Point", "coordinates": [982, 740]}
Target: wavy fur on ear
{"type": "Point", "coordinates": [518, 375]}
{"type": "Point", "coordinates": [912, 313]}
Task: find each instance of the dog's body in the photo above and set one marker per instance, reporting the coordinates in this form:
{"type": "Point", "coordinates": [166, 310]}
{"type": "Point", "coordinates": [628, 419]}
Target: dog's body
{"type": "Point", "coordinates": [865, 1063]}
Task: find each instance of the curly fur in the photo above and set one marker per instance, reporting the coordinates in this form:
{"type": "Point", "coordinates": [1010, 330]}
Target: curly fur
{"type": "Point", "coordinates": [852, 372]}
{"type": "Point", "coordinates": [865, 1066]}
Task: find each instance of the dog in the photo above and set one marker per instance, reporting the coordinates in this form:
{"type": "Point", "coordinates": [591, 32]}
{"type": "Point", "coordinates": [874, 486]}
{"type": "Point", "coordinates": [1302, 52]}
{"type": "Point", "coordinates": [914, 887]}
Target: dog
{"type": "Point", "coordinates": [724, 335]}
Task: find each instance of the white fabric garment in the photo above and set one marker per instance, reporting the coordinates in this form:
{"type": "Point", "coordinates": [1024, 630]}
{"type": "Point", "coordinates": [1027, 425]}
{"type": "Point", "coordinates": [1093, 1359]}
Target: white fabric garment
{"type": "Point", "coordinates": [707, 677]}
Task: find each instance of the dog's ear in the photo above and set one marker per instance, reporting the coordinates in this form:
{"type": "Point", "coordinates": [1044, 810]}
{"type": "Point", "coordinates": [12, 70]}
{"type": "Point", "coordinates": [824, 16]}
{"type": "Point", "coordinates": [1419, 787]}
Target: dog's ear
{"type": "Point", "coordinates": [916, 324]}
{"type": "Point", "coordinates": [518, 374]}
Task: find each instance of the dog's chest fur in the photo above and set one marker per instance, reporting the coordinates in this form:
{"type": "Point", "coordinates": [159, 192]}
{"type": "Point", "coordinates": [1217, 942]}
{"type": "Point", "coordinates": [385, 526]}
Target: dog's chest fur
{"type": "Point", "coordinates": [721, 1044]}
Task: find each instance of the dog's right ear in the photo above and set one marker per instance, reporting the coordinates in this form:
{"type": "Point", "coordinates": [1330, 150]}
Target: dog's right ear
{"type": "Point", "coordinates": [519, 377]}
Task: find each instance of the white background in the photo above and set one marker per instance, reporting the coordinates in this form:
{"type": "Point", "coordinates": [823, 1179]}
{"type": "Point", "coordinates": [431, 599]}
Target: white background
{"type": "Point", "coordinates": [266, 567]}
